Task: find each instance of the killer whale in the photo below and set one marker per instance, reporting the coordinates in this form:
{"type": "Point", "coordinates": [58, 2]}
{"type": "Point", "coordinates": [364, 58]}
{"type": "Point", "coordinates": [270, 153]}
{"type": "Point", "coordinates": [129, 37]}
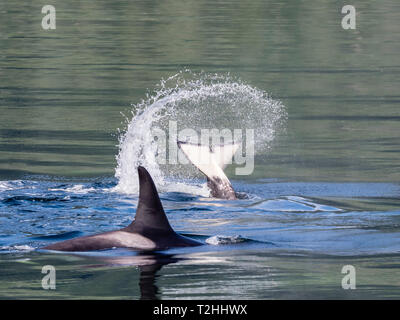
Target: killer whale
{"type": "Point", "coordinates": [211, 161]}
{"type": "Point", "coordinates": [150, 230]}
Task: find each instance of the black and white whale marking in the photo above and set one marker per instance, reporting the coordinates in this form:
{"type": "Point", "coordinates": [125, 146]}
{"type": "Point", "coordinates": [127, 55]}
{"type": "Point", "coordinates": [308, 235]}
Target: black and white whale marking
{"type": "Point", "coordinates": [149, 231]}
{"type": "Point", "coordinates": [212, 161]}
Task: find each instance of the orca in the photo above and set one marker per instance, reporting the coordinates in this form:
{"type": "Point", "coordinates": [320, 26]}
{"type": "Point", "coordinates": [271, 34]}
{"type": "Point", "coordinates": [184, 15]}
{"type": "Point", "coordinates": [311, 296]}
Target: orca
{"type": "Point", "coordinates": [150, 230]}
{"type": "Point", "coordinates": [211, 161]}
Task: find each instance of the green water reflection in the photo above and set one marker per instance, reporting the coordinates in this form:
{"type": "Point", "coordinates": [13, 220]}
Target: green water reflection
{"type": "Point", "coordinates": [62, 91]}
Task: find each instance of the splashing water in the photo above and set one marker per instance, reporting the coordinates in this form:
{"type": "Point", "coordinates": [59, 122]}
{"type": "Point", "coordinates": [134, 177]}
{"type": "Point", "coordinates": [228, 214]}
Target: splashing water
{"type": "Point", "coordinates": [220, 239]}
{"type": "Point", "coordinates": [196, 101]}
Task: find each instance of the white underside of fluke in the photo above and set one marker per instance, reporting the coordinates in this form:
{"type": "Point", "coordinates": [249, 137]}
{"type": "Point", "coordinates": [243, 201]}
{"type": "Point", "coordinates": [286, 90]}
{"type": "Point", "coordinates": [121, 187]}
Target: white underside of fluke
{"type": "Point", "coordinates": [211, 161]}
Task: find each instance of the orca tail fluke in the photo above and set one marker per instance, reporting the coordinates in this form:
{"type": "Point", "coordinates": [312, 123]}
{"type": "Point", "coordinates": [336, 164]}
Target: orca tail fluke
{"type": "Point", "coordinates": [211, 161]}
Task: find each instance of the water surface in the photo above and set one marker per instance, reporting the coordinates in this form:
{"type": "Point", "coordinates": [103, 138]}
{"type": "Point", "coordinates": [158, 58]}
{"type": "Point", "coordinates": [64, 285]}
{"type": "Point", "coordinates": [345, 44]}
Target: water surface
{"type": "Point", "coordinates": [324, 194]}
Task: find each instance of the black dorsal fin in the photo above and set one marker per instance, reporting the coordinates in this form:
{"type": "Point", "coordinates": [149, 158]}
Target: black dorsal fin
{"type": "Point", "coordinates": [150, 215]}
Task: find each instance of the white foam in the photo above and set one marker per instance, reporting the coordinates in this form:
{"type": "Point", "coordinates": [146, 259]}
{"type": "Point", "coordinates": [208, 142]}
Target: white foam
{"type": "Point", "coordinates": [220, 239]}
{"type": "Point", "coordinates": [4, 185]}
{"type": "Point", "coordinates": [17, 248]}
{"type": "Point", "coordinates": [169, 186]}
{"type": "Point", "coordinates": [10, 185]}
{"type": "Point", "coordinates": [78, 188]}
